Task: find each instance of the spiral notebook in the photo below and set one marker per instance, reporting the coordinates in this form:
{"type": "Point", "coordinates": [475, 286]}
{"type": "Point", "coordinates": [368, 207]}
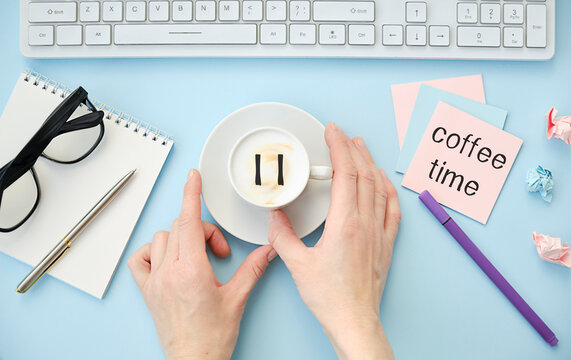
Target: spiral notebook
{"type": "Point", "coordinates": [69, 191]}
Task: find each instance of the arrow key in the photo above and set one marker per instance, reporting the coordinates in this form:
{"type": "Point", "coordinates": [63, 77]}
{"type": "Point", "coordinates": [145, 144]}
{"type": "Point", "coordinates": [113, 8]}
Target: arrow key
{"type": "Point", "coordinates": [439, 35]}
{"type": "Point", "coordinates": [392, 35]}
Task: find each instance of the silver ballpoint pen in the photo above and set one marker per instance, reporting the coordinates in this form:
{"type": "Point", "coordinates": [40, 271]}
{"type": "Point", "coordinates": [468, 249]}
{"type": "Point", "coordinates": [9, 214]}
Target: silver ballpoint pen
{"type": "Point", "coordinates": [64, 245]}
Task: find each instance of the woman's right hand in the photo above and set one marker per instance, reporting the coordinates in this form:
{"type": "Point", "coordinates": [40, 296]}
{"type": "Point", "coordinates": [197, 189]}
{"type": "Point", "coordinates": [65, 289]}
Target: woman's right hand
{"type": "Point", "coordinates": [341, 279]}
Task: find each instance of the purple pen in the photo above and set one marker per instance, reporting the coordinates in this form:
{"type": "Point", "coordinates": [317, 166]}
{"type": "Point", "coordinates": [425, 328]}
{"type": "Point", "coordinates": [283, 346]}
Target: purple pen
{"type": "Point", "coordinates": [442, 216]}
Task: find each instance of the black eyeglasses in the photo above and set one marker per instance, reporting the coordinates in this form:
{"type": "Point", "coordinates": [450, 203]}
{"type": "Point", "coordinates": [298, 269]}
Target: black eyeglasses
{"type": "Point", "coordinates": [60, 140]}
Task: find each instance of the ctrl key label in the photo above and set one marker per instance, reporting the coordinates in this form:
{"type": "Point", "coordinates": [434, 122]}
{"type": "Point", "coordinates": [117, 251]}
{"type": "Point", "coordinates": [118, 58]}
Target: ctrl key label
{"type": "Point", "coordinates": [463, 161]}
{"type": "Point", "coordinates": [361, 34]}
{"type": "Point", "coordinates": [40, 35]}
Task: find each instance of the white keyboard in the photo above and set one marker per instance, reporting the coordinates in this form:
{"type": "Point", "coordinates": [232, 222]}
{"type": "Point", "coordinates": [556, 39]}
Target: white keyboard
{"type": "Point", "coordinates": [437, 29]}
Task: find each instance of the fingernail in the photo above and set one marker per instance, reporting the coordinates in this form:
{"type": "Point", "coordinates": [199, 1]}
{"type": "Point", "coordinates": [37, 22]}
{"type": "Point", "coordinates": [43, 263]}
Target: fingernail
{"type": "Point", "coordinates": [333, 125]}
{"type": "Point", "coordinates": [272, 255]}
{"type": "Point", "coordinates": [361, 142]}
{"type": "Point", "coordinates": [190, 173]}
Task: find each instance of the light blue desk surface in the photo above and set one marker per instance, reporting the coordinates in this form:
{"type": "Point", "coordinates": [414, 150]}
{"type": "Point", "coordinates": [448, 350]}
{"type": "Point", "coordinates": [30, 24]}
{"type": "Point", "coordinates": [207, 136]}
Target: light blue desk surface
{"type": "Point", "coordinates": [437, 303]}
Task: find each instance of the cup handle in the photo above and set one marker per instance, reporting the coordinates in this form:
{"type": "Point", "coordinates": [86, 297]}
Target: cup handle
{"type": "Point", "coordinates": [321, 173]}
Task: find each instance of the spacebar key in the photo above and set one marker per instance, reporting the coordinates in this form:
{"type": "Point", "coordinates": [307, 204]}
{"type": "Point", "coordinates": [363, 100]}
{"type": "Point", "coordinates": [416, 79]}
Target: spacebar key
{"type": "Point", "coordinates": [185, 34]}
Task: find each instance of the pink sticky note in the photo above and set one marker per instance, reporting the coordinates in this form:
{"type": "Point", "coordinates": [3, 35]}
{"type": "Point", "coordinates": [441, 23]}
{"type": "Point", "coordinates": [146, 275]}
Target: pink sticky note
{"type": "Point", "coordinates": [463, 161]}
{"type": "Point", "coordinates": [404, 96]}
{"type": "Point", "coordinates": [552, 249]}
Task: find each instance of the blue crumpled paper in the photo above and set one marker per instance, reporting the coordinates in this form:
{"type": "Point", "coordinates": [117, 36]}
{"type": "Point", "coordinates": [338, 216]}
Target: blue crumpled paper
{"type": "Point", "coordinates": [540, 180]}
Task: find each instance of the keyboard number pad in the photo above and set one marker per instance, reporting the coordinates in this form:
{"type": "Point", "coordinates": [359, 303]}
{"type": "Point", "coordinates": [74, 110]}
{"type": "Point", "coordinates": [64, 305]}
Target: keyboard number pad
{"type": "Point", "coordinates": [513, 14]}
{"type": "Point", "coordinates": [513, 37]}
{"type": "Point", "coordinates": [490, 13]}
{"type": "Point", "coordinates": [467, 13]}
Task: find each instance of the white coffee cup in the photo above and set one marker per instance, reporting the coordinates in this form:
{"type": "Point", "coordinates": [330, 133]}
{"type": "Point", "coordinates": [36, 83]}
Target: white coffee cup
{"type": "Point", "coordinates": [269, 168]}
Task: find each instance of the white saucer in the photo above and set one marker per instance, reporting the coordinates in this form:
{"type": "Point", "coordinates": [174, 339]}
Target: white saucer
{"type": "Point", "coordinates": [235, 215]}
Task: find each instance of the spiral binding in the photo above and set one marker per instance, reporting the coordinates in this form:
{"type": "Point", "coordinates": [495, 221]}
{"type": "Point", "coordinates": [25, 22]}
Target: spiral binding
{"type": "Point", "coordinates": [111, 114]}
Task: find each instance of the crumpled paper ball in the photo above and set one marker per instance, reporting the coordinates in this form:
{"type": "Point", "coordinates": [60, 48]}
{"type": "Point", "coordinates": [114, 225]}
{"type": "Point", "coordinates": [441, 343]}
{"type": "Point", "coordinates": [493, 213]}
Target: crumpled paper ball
{"type": "Point", "coordinates": [552, 249]}
{"type": "Point", "coordinates": [558, 127]}
{"type": "Point", "coordinates": [540, 180]}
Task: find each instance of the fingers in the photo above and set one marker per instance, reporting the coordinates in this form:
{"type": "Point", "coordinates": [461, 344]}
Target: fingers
{"type": "Point", "coordinates": [380, 197]}
{"type": "Point", "coordinates": [344, 184]}
{"type": "Point", "coordinates": [158, 249]}
{"type": "Point", "coordinates": [366, 179]}
{"type": "Point", "coordinates": [283, 239]}
{"type": "Point", "coordinates": [140, 265]}
{"type": "Point", "coordinates": [173, 244]}
{"type": "Point", "coordinates": [190, 231]}
{"type": "Point", "coordinates": [393, 214]}
{"type": "Point", "coordinates": [250, 271]}
{"type": "Point", "coordinates": [216, 239]}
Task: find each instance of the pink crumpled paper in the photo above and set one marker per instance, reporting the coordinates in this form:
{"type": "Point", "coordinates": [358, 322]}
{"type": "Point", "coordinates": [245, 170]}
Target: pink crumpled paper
{"type": "Point", "coordinates": [552, 249]}
{"type": "Point", "coordinates": [559, 127]}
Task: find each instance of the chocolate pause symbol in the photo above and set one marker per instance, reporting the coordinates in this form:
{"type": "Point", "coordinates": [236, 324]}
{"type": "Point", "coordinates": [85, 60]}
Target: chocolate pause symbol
{"type": "Point", "coordinates": [258, 179]}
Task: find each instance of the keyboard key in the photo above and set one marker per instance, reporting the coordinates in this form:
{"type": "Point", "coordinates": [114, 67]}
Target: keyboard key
{"type": "Point", "coordinates": [343, 11]}
{"type": "Point", "coordinates": [467, 13]}
{"type": "Point", "coordinates": [52, 12]}
{"type": "Point", "coordinates": [482, 36]}
{"type": "Point", "coordinates": [275, 10]}
{"type": "Point", "coordinates": [331, 34]}
{"type": "Point", "coordinates": [416, 12]}
{"type": "Point", "coordinates": [185, 34]}
{"type": "Point", "coordinates": [182, 11]}
{"type": "Point", "coordinates": [416, 35]}
{"type": "Point", "coordinates": [112, 11]}
{"type": "Point", "coordinates": [490, 13]}
{"type": "Point", "coordinates": [159, 11]}
{"type": "Point", "coordinates": [272, 34]}
{"type": "Point", "coordinates": [252, 10]}
{"type": "Point", "coordinates": [302, 34]}
{"type": "Point", "coordinates": [439, 35]}
{"type": "Point", "coordinates": [89, 11]}
{"type": "Point", "coordinates": [228, 10]}
{"type": "Point", "coordinates": [40, 35]}
{"type": "Point", "coordinates": [299, 10]}
{"type": "Point", "coordinates": [361, 34]}
{"type": "Point", "coordinates": [513, 37]}
{"type": "Point", "coordinates": [205, 11]}
{"type": "Point", "coordinates": [135, 11]}
{"type": "Point", "coordinates": [69, 35]}
{"type": "Point", "coordinates": [536, 23]}
{"type": "Point", "coordinates": [392, 35]}
{"type": "Point", "coordinates": [97, 34]}
{"type": "Point", "coordinates": [513, 13]}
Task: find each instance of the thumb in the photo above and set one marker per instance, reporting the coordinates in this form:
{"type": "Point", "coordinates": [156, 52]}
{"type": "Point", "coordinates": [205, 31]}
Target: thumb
{"type": "Point", "coordinates": [251, 270]}
{"type": "Point", "coordinates": [283, 239]}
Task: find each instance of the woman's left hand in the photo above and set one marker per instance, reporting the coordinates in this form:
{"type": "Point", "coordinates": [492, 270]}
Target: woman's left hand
{"type": "Point", "coordinates": [196, 317]}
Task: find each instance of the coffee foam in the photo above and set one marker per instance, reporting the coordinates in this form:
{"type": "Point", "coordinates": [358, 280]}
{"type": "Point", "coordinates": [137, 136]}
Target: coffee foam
{"type": "Point", "coordinates": [269, 143]}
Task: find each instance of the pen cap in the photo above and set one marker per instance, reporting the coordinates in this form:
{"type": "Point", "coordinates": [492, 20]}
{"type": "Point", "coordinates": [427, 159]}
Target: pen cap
{"type": "Point", "coordinates": [435, 208]}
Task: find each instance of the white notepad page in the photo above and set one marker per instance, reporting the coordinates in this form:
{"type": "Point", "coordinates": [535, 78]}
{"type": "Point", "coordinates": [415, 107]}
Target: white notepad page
{"type": "Point", "coordinates": [68, 192]}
